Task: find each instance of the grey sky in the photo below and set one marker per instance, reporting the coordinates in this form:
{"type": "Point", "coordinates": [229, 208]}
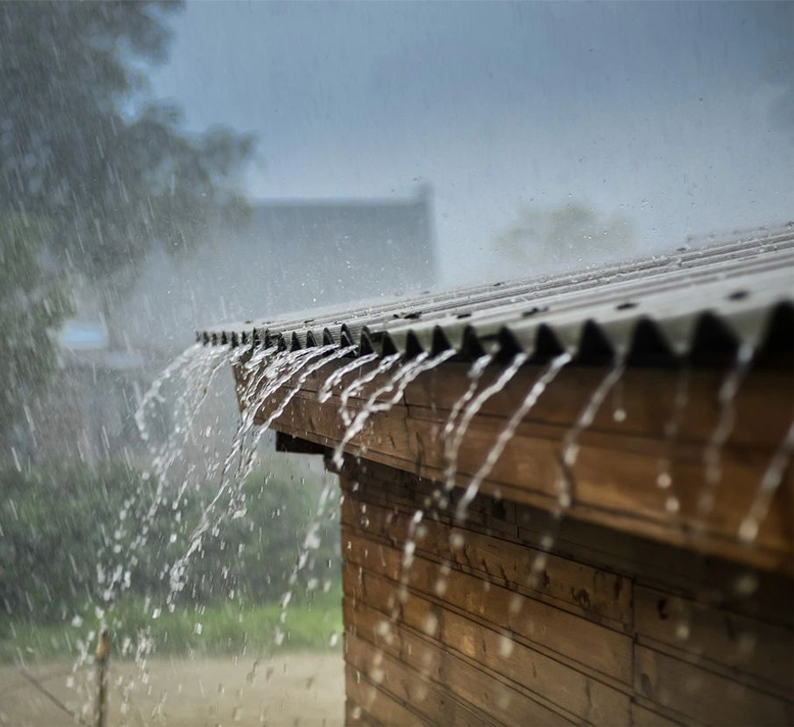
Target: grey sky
{"type": "Point", "coordinates": [678, 115]}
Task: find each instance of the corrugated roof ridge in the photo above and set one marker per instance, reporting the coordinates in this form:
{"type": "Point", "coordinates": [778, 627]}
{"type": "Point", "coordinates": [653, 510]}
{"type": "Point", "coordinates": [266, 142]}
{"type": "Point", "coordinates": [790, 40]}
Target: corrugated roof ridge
{"type": "Point", "coordinates": [737, 280]}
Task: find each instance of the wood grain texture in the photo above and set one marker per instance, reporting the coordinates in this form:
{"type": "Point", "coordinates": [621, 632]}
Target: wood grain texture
{"type": "Point", "coordinates": [635, 614]}
{"type": "Point", "coordinates": [459, 638]}
{"type": "Point", "coordinates": [615, 474]}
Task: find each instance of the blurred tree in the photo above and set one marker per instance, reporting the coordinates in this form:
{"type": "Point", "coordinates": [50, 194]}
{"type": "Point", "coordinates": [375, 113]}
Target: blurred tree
{"type": "Point", "coordinates": [564, 236]}
{"type": "Point", "coordinates": [109, 173]}
{"type": "Point", "coordinates": [72, 147]}
{"type": "Point", "coordinates": [31, 303]}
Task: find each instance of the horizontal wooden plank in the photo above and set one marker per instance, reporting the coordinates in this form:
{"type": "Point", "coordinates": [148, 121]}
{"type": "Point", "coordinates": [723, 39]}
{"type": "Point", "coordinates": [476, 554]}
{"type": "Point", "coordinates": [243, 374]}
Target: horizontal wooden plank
{"type": "Point", "coordinates": [396, 487]}
{"type": "Point", "coordinates": [707, 545]}
{"type": "Point", "coordinates": [461, 622]}
{"type": "Point", "coordinates": [492, 701]}
{"type": "Point", "coordinates": [567, 689]}
{"type": "Point", "coordinates": [618, 476]}
{"type": "Point", "coordinates": [594, 591]}
{"type": "Point", "coordinates": [645, 412]}
{"type": "Point", "coordinates": [436, 705]}
{"type": "Point", "coordinates": [376, 702]}
{"type": "Point", "coordinates": [703, 695]}
{"type": "Point", "coordinates": [615, 476]}
{"type": "Point", "coordinates": [718, 638]}
{"type": "Point", "coordinates": [643, 717]}
{"type": "Point", "coordinates": [695, 575]}
{"type": "Point", "coordinates": [588, 643]}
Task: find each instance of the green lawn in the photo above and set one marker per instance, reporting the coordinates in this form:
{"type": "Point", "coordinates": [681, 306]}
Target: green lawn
{"type": "Point", "coordinates": [227, 628]}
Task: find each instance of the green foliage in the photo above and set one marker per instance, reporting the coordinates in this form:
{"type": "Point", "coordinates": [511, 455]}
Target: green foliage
{"type": "Point", "coordinates": [93, 173]}
{"type": "Point", "coordinates": [74, 149]}
{"type": "Point", "coordinates": [65, 532]}
{"type": "Point", "coordinates": [226, 628]}
{"type": "Point", "coordinates": [32, 305]}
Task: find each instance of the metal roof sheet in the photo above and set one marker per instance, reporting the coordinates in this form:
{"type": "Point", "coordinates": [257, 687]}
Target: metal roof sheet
{"type": "Point", "coordinates": [691, 303]}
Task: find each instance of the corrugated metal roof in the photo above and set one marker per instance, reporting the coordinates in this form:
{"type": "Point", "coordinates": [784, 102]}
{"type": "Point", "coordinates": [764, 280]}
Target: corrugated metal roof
{"type": "Point", "coordinates": [694, 302]}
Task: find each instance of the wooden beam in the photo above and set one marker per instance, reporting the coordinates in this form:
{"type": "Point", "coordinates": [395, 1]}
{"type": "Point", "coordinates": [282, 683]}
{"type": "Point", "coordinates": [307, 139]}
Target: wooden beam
{"type": "Point", "coordinates": [287, 443]}
{"type": "Point", "coordinates": [615, 474]}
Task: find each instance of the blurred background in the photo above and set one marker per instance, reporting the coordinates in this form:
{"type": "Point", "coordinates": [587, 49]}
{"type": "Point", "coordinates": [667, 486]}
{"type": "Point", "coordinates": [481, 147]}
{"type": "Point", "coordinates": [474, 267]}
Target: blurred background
{"type": "Point", "coordinates": [165, 166]}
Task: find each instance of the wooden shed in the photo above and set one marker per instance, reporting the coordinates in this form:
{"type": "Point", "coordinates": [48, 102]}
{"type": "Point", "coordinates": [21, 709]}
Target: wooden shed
{"type": "Point", "coordinates": [570, 498]}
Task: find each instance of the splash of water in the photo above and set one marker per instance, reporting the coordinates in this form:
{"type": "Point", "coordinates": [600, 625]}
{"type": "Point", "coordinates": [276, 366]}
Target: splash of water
{"type": "Point", "coordinates": [277, 369]}
{"type": "Point", "coordinates": [770, 482]}
{"type": "Point", "coordinates": [508, 431]}
{"type": "Point", "coordinates": [398, 383]}
{"type": "Point", "coordinates": [190, 375]}
{"type": "Point", "coordinates": [275, 373]}
{"type": "Point", "coordinates": [197, 378]}
{"type": "Point", "coordinates": [329, 356]}
{"type": "Point", "coordinates": [189, 372]}
{"type": "Point", "coordinates": [311, 542]}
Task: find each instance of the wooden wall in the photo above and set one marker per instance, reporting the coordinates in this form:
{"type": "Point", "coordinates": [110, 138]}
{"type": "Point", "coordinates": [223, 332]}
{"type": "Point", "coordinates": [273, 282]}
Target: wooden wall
{"type": "Point", "coordinates": [618, 460]}
{"type": "Point", "coordinates": [616, 630]}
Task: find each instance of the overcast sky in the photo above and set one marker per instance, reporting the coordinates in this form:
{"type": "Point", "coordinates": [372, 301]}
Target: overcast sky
{"type": "Point", "coordinates": [677, 115]}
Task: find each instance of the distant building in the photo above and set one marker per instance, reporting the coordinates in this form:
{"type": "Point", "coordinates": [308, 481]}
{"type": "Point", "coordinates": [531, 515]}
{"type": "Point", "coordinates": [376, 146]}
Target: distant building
{"type": "Point", "coordinates": [87, 411]}
{"type": "Point", "coordinates": [287, 255]}
{"type": "Point", "coordinates": [341, 245]}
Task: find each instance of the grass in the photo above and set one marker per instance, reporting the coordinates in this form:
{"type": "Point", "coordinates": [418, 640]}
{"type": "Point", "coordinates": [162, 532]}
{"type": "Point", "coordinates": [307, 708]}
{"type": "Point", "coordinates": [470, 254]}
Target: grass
{"type": "Point", "coordinates": [217, 629]}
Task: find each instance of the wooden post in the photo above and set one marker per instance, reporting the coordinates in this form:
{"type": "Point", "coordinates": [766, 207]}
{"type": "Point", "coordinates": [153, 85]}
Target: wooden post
{"type": "Point", "coordinates": [102, 656]}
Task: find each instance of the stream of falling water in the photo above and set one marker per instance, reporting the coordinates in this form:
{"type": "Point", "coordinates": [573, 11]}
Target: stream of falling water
{"type": "Point", "coordinates": [773, 475]}
{"type": "Point", "coordinates": [570, 443]}
{"type": "Point", "coordinates": [569, 453]}
{"type": "Point", "coordinates": [298, 363]}
{"type": "Point", "coordinates": [474, 374]}
{"type": "Point", "coordinates": [508, 431]}
{"type": "Point", "coordinates": [471, 408]}
{"type": "Point", "coordinates": [470, 405]}
{"type": "Point", "coordinates": [197, 379]}
{"type": "Point", "coordinates": [195, 365]}
{"type": "Point", "coordinates": [360, 382]}
{"type": "Point", "coordinates": [712, 454]}
{"type": "Point", "coordinates": [405, 374]}
{"type": "Point", "coordinates": [192, 374]}
{"type": "Point", "coordinates": [153, 394]}
{"type": "Point", "coordinates": [270, 374]}
{"type": "Point", "coordinates": [336, 377]}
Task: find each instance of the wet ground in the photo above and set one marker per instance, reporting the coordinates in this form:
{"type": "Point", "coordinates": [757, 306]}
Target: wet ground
{"type": "Point", "coordinates": [296, 690]}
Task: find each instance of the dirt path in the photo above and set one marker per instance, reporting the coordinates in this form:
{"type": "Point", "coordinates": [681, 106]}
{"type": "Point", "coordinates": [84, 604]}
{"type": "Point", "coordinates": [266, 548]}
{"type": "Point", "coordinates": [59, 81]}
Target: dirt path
{"type": "Point", "coordinates": [294, 690]}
